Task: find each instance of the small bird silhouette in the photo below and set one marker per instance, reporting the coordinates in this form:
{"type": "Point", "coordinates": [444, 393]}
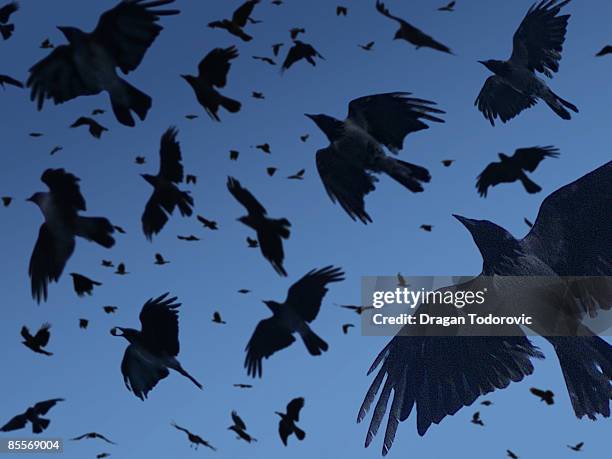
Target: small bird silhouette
{"type": "Point", "coordinates": [121, 269]}
{"type": "Point", "coordinates": [267, 60]}
{"type": "Point", "coordinates": [447, 162]}
{"type": "Point", "coordinates": [341, 10]}
{"type": "Point", "coordinates": [233, 154]}
{"type": "Point", "coordinates": [239, 427]}
{"type": "Point", "coordinates": [368, 46]}
{"type": "Point", "coordinates": [476, 419]}
{"type": "Point", "coordinates": [37, 342]}
{"type": "Point", "coordinates": [55, 150]}
{"type": "Point", "coordinates": [93, 436]}
{"type": "Point", "coordinates": [243, 386]}
{"type": "Point", "coordinates": [83, 324]}
{"type": "Point", "coordinates": [243, 291]}
{"type": "Point", "coordinates": [160, 260]}
{"type": "Point", "coordinates": [95, 128]}
{"type": "Point", "coordinates": [544, 395]}
{"type": "Point", "coordinates": [190, 238]}
{"type": "Point", "coordinates": [604, 51]}
{"type": "Point", "coordinates": [345, 328]}
{"type": "Point", "coordinates": [276, 48]}
{"type": "Point", "coordinates": [486, 403]}
{"type": "Point", "coordinates": [32, 415]}
{"type": "Point", "coordinates": [511, 454]}
{"type": "Point", "coordinates": [286, 425]}
{"type": "Point", "coordinates": [191, 117]}
{"type": "Point", "coordinates": [271, 171]}
{"type": "Point", "coordinates": [98, 111]}
{"type": "Point", "coordinates": [195, 440]}
{"type": "Point", "coordinates": [304, 137]}
{"type": "Point", "coordinates": [528, 222]}
{"type": "Point", "coordinates": [258, 95]}
{"type": "Point", "coordinates": [357, 309]}
{"type": "Point", "coordinates": [427, 228]}
{"type": "Point", "coordinates": [140, 160]}
{"type": "Point", "coordinates": [6, 201]}
{"type": "Point", "coordinates": [110, 309]}
{"type": "Point", "coordinates": [239, 20]}
{"type": "Point", "coordinates": [299, 175]}
{"type": "Point", "coordinates": [252, 243]}
{"type": "Point", "coordinates": [190, 178]}
{"type": "Point", "coordinates": [210, 224]}
{"type": "Point", "coordinates": [448, 7]}
{"type": "Point", "coordinates": [46, 44]}
{"type": "Point", "coordinates": [577, 447]}
{"type": "Point", "coordinates": [107, 264]}
{"type": "Point", "coordinates": [265, 147]}
{"type": "Point", "coordinates": [217, 318]}
{"type": "Point", "coordinates": [83, 285]}
{"type": "Point", "coordinates": [299, 51]}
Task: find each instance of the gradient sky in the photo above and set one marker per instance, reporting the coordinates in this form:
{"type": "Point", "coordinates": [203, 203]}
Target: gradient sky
{"type": "Point", "coordinates": [206, 275]}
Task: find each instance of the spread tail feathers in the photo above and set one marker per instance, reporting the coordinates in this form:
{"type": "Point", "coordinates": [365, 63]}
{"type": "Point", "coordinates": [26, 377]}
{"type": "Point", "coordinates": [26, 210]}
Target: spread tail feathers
{"type": "Point", "coordinates": [299, 433]}
{"type": "Point", "coordinates": [97, 229]}
{"type": "Point", "coordinates": [127, 98]}
{"type": "Point", "coordinates": [529, 185]}
{"type": "Point", "coordinates": [39, 425]}
{"type": "Point", "coordinates": [7, 31]}
{"type": "Point", "coordinates": [314, 343]}
{"type": "Point", "coordinates": [409, 175]}
{"type": "Point", "coordinates": [230, 105]}
{"type": "Point", "coordinates": [557, 104]}
{"type": "Point", "coordinates": [185, 203]}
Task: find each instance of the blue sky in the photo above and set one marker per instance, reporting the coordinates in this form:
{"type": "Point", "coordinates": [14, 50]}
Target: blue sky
{"type": "Point", "coordinates": [206, 275]}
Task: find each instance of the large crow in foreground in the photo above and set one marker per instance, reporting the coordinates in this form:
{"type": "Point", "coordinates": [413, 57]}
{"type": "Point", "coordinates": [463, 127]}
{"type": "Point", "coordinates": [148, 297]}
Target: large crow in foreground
{"type": "Point", "coordinates": [439, 375]}
{"type": "Point", "coordinates": [56, 238]}
{"type": "Point", "coordinates": [536, 47]}
{"type": "Point", "coordinates": [32, 415]}
{"type": "Point", "coordinates": [293, 316]}
{"type": "Point", "coordinates": [356, 147]}
{"type": "Point", "coordinates": [87, 64]}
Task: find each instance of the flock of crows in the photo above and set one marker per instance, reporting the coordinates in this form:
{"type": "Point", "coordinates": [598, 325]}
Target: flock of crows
{"type": "Point", "coordinates": [361, 146]}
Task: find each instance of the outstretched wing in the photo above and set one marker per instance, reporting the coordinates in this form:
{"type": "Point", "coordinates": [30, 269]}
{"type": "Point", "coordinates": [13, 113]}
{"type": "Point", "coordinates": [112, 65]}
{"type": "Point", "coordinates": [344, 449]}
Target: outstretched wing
{"type": "Point", "coordinates": [170, 166]}
{"type": "Point", "coordinates": [269, 337]}
{"type": "Point", "coordinates": [16, 423]}
{"type": "Point", "coordinates": [294, 407]}
{"type": "Point", "coordinates": [64, 187]}
{"type": "Point", "coordinates": [43, 335]}
{"type": "Point", "coordinates": [306, 295]}
{"type": "Point", "coordinates": [529, 158]}
{"type": "Point", "coordinates": [43, 408]}
{"type": "Point", "coordinates": [498, 100]}
{"type": "Point", "coordinates": [216, 65]}
{"type": "Point", "coordinates": [159, 319]}
{"type": "Point", "coordinates": [382, 9]}
{"type": "Point", "coordinates": [493, 174]}
{"type": "Point", "coordinates": [238, 421]}
{"type": "Point", "coordinates": [242, 14]}
{"type": "Point", "coordinates": [244, 197]}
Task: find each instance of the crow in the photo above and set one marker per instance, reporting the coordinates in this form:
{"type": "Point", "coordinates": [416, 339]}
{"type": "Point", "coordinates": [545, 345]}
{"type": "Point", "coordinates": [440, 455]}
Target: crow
{"type": "Point", "coordinates": [271, 171]}
{"type": "Point", "coordinates": [300, 308]}
{"type": "Point", "coordinates": [304, 137]}
{"type": "Point", "coordinates": [217, 318]}
{"type": "Point", "coordinates": [252, 243]}
{"type": "Point", "coordinates": [5, 79]}
{"type": "Point", "coordinates": [190, 178]}
{"type": "Point", "coordinates": [267, 60]}
{"type": "Point", "coordinates": [295, 31]}
{"type": "Point", "coordinates": [121, 269]}
{"type": "Point", "coordinates": [486, 403]}
{"type": "Point", "coordinates": [87, 64]}
{"type": "Point", "coordinates": [447, 162]}
{"type": "Point", "coordinates": [357, 309]}
{"type": "Point", "coordinates": [160, 260]}
{"type": "Point", "coordinates": [257, 95]}
{"type": "Point", "coordinates": [46, 44]}
{"type": "Point", "coordinates": [568, 238]}
{"type": "Point", "coordinates": [83, 285]}
{"type": "Point", "coordinates": [195, 440]}
{"type": "Point", "coordinates": [341, 11]}
{"type": "Point", "coordinates": [212, 73]}
{"type": "Point", "coordinates": [427, 228]}
{"type": "Point", "coordinates": [265, 147]}
{"type": "Point", "coordinates": [56, 149]}
{"type": "Point", "coordinates": [410, 33]}
{"type": "Point", "coordinates": [299, 175]}
{"type": "Point", "coordinates": [166, 195]}
{"type": "Point", "coordinates": [243, 291]}
{"type": "Point", "coordinates": [577, 447]}
{"type": "Point", "coordinates": [270, 232]}
{"type": "Point", "coordinates": [107, 264]}
{"type": "Point", "coordinates": [299, 51]}
{"type": "Point", "coordinates": [191, 117]}
{"type": "Point", "coordinates": [190, 238]}
{"type": "Point", "coordinates": [239, 19]}
{"type": "Point", "coordinates": [6, 201]}
{"type": "Point", "coordinates": [56, 238]}
{"type": "Point", "coordinates": [210, 224]}
{"type": "Point", "coordinates": [536, 47]}
{"type": "Point", "coordinates": [98, 111]}
{"type": "Point", "coordinates": [33, 415]}
{"type": "Point", "coordinates": [476, 419]}
{"type": "Point", "coordinates": [511, 168]}
{"type": "Point", "coordinates": [604, 51]}
{"type": "Point", "coordinates": [448, 7]}
{"type": "Point", "coordinates": [233, 154]}
{"type": "Point", "coordinates": [6, 30]}
{"type": "Point", "coordinates": [286, 425]}
{"type": "Point", "coordinates": [345, 328]}
{"type": "Point", "coordinates": [110, 309]}
{"type": "Point", "coordinates": [367, 47]}
{"type": "Point", "coordinates": [102, 455]}
{"type": "Point", "coordinates": [239, 427]}
{"type": "Point", "coordinates": [153, 349]}
{"type": "Point", "coordinates": [83, 323]}
{"type": "Point", "coordinates": [37, 342]}
{"type": "Point", "coordinates": [243, 386]}
{"type": "Point", "coordinates": [544, 395]}
{"type": "Point", "coordinates": [95, 128]}
{"type": "Point", "coordinates": [276, 48]}
{"type": "Point", "coordinates": [93, 436]}
{"type": "Point", "coordinates": [355, 152]}
{"type": "Point", "coordinates": [140, 160]}
{"type": "Point", "coordinates": [511, 454]}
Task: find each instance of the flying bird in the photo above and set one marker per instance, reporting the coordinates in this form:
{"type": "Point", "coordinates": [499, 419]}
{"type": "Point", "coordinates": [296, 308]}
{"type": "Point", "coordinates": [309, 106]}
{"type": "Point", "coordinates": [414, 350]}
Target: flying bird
{"type": "Point", "coordinates": [345, 328]}
{"type": "Point", "coordinates": [300, 308]}
{"type": "Point", "coordinates": [304, 137]}
{"type": "Point", "coordinates": [341, 10]}
{"type": "Point", "coordinates": [5, 79]}
{"type": "Point", "coordinates": [252, 243]}
{"type": "Point", "coordinates": [46, 44]}
{"type": "Point", "coordinates": [544, 395]}
{"type": "Point", "coordinates": [299, 175]}
{"type": "Point", "coordinates": [166, 195]}
{"type": "Point", "coordinates": [276, 48]}
{"type": "Point", "coordinates": [271, 171]}
{"type": "Point", "coordinates": [512, 168]}
{"type": "Point", "coordinates": [191, 117]}
{"type": "Point", "coordinates": [217, 318]}
{"type": "Point", "coordinates": [83, 285]}
{"type": "Point", "coordinates": [95, 128]}
{"type": "Point", "coordinates": [6, 29]}
{"type": "Point", "coordinates": [410, 33]}
{"type": "Point", "coordinates": [270, 232]}
{"type": "Point", "coordinates": [56, 238]}
{"type": "Point", "coordinates": [604, 51]}
{"type": "Point", "coordinates": [212, 73]}
{"type": "Point", "coordinates": [153, 349]}
{"type": "Point", "coordinates": [299, 51]}
{"type": "Point", "coordinates": [486, 403]}
{"type": "Point", "coordinates": [528, 222]}
{"type": "Point", "coordinates": [577, 447]}
{"type": "Point", "coordinates": [355, 152]}
{"type": "Point", "coordinates": [107, 264]}
{"type": "Point", "coordinates": [357, 309]}
{"type": "Point", "coordinates": [536, 47]}
{"type": "Point", "coordinates": [239, 20]}
{"type": "Point", "coordinates": [295, 31]}
{"type": "Point", "coordinates": [56, 149]}
{"type": "Point", "coordinates": [243, 386]}
{"type": "Point", "coordinates": [233, 154]}
{"type": "Point", "coordinates": [511, 454]}
{"type": "Point", "coordinates": [93, 436]}
{"type": "Point", "coordinates": [239, 427]}
{"type": "Point", "coordinates": [448, 7]}
{"type": "Point", "coordinates": [39, 341]}
{"type": "Point", "coordinates": [190, 238]}
{"type": "Point", "coordinates": [160, 260]}
{"type": "Point", "coordinates": [267, 60]}
{"type": "Point", "coordinates": [35, 134]}
{"type": "Point", "coordinates": [210, 224]}
{"type": "Point", "coordinates": [102, 455]}
{"type": "Point", "coordinates": [257, 95]}
{"type": "Point", "coordinates": [6, 201]}
{"type": "Point", "coordinates": [426, 228]}
{"type": "Point", "coordinates": [83, 323]}
{"type": "Point", "coordinates": [140, 160]}
{"type": "Point", "coordinates": [194, 440]}
{"type": "Point", "coordinates": [447, 162]}
{"type": "Point", "coordinates": [98, 111]}
{"type": "Point", "coordinates": [33, 415]}
{"type": "Point", "coordinates": [476, 419]}
{"type": "Point", "coordinates": [110, 309]}
{"type": "Point", "coordinates": [286, 425]}
{"type": "Point", "coordinates": [87, 64]}
{"type": "Point", "coordinates": [368, 46]}
{"type": "Point", "coordinates": [265, 147]}
{"type": "Point", "coordinates": [243, 291]}
{"type": "Point", "coordinates": [121, 269]}
{"type": "Point", "coordinates": [191, 179]}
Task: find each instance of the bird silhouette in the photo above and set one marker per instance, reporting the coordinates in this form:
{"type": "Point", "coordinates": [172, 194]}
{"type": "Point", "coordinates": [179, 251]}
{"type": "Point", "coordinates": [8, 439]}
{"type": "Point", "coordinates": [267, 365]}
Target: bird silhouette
{"type": "Point", "coordinates": [160, 260]}
{"type": "Point", "coordinates": [217, 318]}
{"type": "Point", "coordinates": [210, 224]}
{"type": "Point", "coordinates": [194, 440]}
{"type": "Point", "coordinates": [93, 436]}
{"type": "Point", "coordinates": [286, 425]}
{"type": "Point", "coordinates": [544, 395]}
{"type": "Point", "coordinates": [95, 128]}
{"type": "Point", "coordinates": [476, 419]}
{"type": "Point", "coordinates": [345, 328]}
{"type": "Point", "coordinates": [299, 51]}
{"type": "Point", "coordinates": [239, 428]}
{"type": "Point", "coordinates": [577, 447]}
{"type": "Point", "coordinates": [39, 341]}
{"type": "Point", "coordinates": [604, 51]}
{"type": "Point", "coordinates": [239, 20]}
{"type": "Point", "coordinates": [83, 285]}
{"type": "Point", "coordinates": [449, 7]}
{"type": "Point", "coordinates": [33, 415]}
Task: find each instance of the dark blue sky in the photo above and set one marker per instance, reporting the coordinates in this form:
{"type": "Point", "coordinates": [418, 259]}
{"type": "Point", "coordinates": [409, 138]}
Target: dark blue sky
{"type": "Point", "coordinates": [206, 275]}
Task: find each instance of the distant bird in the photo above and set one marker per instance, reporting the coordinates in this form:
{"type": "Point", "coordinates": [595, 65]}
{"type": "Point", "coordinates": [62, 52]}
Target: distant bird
{"type": "Point", "coordinates": [98, 111]}
{"type": "Point", "coordinates": [277, 2]}
{"type": "Point", "coordinates": [39, 341]}
{"type": "Point", "coordinates": [243, 386]}
{"type": "Point", "coordinates": [286, 425]}
{"type": "Point", "coordinates": [486, 403]}
{"type": "Point", "coordinates": [35, 134]}
{"type": "Point", "coordinates": [212, 73]}
{"type": "Point", "coordinates": [5, 79]}
{"type": "Point", "coordinates": [32, 415]}
{"type": "Point", "coordinates": [265, 147]}
{"type": "Point", "coordinates": [447, 162]}
{"type": "Point", "coordinates": [544, 395]}
{"type": "Point", "coordinates": [512, 168]}
{"type": "Point", "coordinates": [166, 195]}
{"type": "Point", "coordinates": [355, 152]}
{"type": "Point", "coordinates": [511, 454]}
{"type": "Point", "coordinates": [217, 318]}
{"type": "Point", "coordinates": [257, 95]}
{"type": "Point", "coordinates": [357, 309]}
{"type": "Point", "coordinates": [368, 46]}
{"type": "Point", "coordinates": [56, 238]}
{"type": "Point", "coordinates": [93, 436]}
{"type": "Point", "coordinates": [341, 11]}
{"type": "Point", "coordinates": [252, 243]}
{"type": "Point", "coordinates": [87, 64]}
{"type": "Point", "coordinates": [210, 224]}
{"type": "Point", "coordinates": [46, 44]}
{"type": "Point", "coordinates": [476, 419]}
{"type": "Point", "coordinates": [239, 427]}
{"type": "Point", "coordinates": [243, 291]}
{"type": "Point", "coordinates": [427, 228]}
{"type": "Point", "coordinates": [304, 137]}
{"type": "Point", "coordinates": [300, 308]}
{"type": "Point", "coordinates": [295, 31]}
{"type": "Point", "coordinates": [153, 349]}
{"type": "Point", "coordinates": [233, 154]}
{"type": "Point", "coordinates": [604, 51]}
{"type": "Point", "coordinates": [160, 260]}
{"type": "Point", "coordinates": [238, 21]}
{"type": "Point", "coordinates": [121, 269]}
{"type": "Point", "coordinates": [83, 323]}
{"type": "Point", "coordinates": [6, 29]}
{"type": "Point", "coordinates": [299, 175]}
{"type": "Point", "coordinates": [110, 309]}
{"type": "Point", "coordinates": [190, 238]}
{"type": "Point", "coordinates": [267, 60]}
{"type": "Point", "coordinates": [410, 33]}
{"type": "Point", "coordinates": [536, 47]}
{"type": "Point", "coordinates": [119, 229]}
{"type": "Point", "coordinates": [56, 149]}
{"type": "Point", "coordinates": [276, 48]}
{"type": "Point", "coordinates": [448, 7]}
{"type": "Point", "coordinates": [191, 117]}
{"type": "Point", "coordinates": [401, 281]}
{"type": "Point", "coordinates": [577, 447]}
{"type": "Point", "coordinates": [190, 178]}
{"type": "Point", "coordinates": [345, 328]}
{"type": "Point", "coordinates": [140, 160]}
{"type": "Point", "coordinates": [299, 51]}
{"type": "Point", "coordinates": [95, 128]}
{"type": "Point", "coordinates": [271, 171]}
{"type": "Point", "coordinates": [194, 440]}
{"type": "Point", "coordinates": [83, 285]}
{"type": "Point", "coordinates": [528, 222]}
{"type": "Point", "coordinates": [102, 455]}
{"type": "Point", "coordinates": [6, 201]}
{"type": "Point", "coordinates": [270, 232]}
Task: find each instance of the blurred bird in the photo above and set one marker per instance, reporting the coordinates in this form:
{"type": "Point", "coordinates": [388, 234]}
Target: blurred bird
{"type": "Point", "coordinates": [166, 195]}
{"type": "Point", "coordinates": [194, 440]}
{"type": "Point", "coordinates": [56, 149]}
{"type": "Point", "coordinates": [448, 7]}
{"type": "Point", "coordinates": [410, 33]}
{"type": "Point", "coordinates": [110, 309]}
{"type": "Point", "coordinates": [286, 425]}
{"type": "Point", "coordinates": [217, 318]}
{"type": "Point", "coordinates": [37, 342]}
{"type": "Point", "coordinates": [243, 291]}
{"type": "Point", "coordinates": [270, 232]}
{"type": "Point", "coordinates": [604, 51]}
{"type": "Point", "coordinates": [257, 95]}
{"type": "Point", "coordinates": [295, 31]}
{"type": "Point", "coordinates": [267, 60]}
{"type": "Point", "coordinates": [56, 238]}
{"type": "Point", "coordinates": [357, 309]}
{"type": "Point", "coordinates": [212, 73]}
{"type": "Point", "coordinates": [355, 151]}
{"type": "Point", "coordinates": [341, 11]}
{"type": "Point", "coordinates": [83, 323]}
{"type": "Point", "coordinates": [211, 225]}
{"type": "Point", "coordinates": [276, 48]}
{"type": "Point", "coordinates": [252, 243]}
{"type": "Point", "coordinates": [98, 111]}
{"type": "Point", "coordinates": [6, 30]}
{"type": "Point", "coordinates": [32, 415]}
{"type": "Point", "coordinates": [299, 51]}
{"type": "Point", "coordinates": [191, 117]}
{"type": "Point", "coordinates": [368, 46]}
{"type": "Point", "coordinates": [121, 269]}
{"type": "Point", "coordinates": [536, 47]}
{"type": "Point", "coordinates": [83, 285]}
{"type": "Point", "coordinates": [46, 44]}
{"type": "Point", "coordinates": [160, 260]}
{"type": "Point", "coordinates": [93, 436]}
{"type": "Point", "coordinates": [190, 238]}
{"type": "Point", "coordinates": [277, 2]}
{"type": "Point", "coordinates": [528, 223]}
{"type": "Point", "coordinates": [486, 403]}
{"type": "Point", "coordinates": [577, 447]}
{"type": "Point", "coordinates": [345, 328]}
{"type": "Point", "coordinates": [6, 201]}
{"type": "Point", "coordinates": [140, 160]}
{"type": "Point", "coordinates": [234, 155]}
{"type": "Point", "coordinates": [95, 128]}
{"type": "Point", "coordinates": [401, 281]}
{"type": "Point", "coordinates": [191, 179]}
{"type": "Point", "coordinates": [300, 308]}
{"type": "Point", "coordinates": [119, 229]}
{"type": "Point", "coordinates": [87, 64]}
{"type": "Point", "coordinates": [511, 454]}
{"type": "Point", "coordinates": [304, 137]}
{"type": "Point", "coordinates": [239, 427]}
{"type": "Point", "coordinates": [239, 19]}
{"type": "Point", "coordinates": [544, 395]}
{"type": "Point", "coordinates": [271, 171]}
{"type": "Point", "coordinates": [5, 79]}
{"type": "Point", "coordinates": [511, 168]}
{"type": "Point", "coordinates": [153, 349]}
{"type": "Point", "coordinates": [476, 419]}
{"type": "Point", "coordinates": [265, 147]}
{"type": "Point", "coordinates": [107, 264]}
{"type": "Point", "coordinates": [447, 162]}
{"type": "Point", "coordinates": [243, 386]}
{"type": "Point", "coordinates": [427, 228]}
{"type": "Point", "coordinates": [299, 175]}
{"type": "Point", "coordinates": [102, 455]}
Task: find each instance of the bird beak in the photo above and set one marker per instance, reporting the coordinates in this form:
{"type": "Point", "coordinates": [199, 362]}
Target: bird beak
{"type": "Point", "coordinates": [30, 199]}
{"type": "Point", "coordinates": [115, 331]}
{"type": "Point", "coordinates": [483, 63]}
{"type": "Point", "coordinates": [467, 222]}
{"type": "Point", "coordinates": [307, 115]}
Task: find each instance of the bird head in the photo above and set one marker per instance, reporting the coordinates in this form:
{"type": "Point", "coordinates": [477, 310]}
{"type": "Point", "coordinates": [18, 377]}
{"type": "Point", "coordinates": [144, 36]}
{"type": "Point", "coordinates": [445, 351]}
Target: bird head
{"type": "Point", "coordinates": [328, 124]}
{"type": "Point", "coordinates": [398, 35]}
{"type": "Point", "coordinates": [189, 79]}
{"type": "Point", "coordinates": [36, 198]}
{"type": "Point", "coordinates": [272, 305]}
{"type": "Point", "coordinates": [491, 239]}
{"type": "Point", "coordinates": [72, 34]}
{"type": "Point", "coordinates": [502, 156]}
{"type": "Point", "coordinates": [126, 333]}
{"type": "Point", "coordinates": [279, 413]}
{"type": "Point", "coordinates": [494, 66]}
{"type": "Point", "coordinates": [149, 178]}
